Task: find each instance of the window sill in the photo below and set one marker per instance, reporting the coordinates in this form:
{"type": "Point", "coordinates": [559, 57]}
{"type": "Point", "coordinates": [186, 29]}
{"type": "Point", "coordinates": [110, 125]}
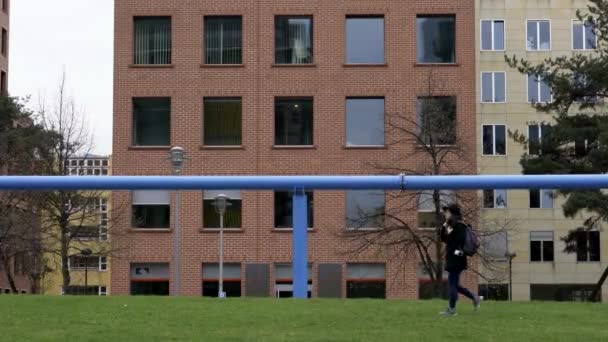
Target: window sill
{"type": "Point", "coordinates": [222, 66]}
{"type": "Point", "coordinates": [355, 230]}
{"type": "Point", "coordinates": [217, 230]}
{"type": "Point", "coordinates": [425, 146]}
{"type": "Point", "coordinates": [222, 147]}
{"type": "Point", "coordinates": [496, 209]}
{"type": "Point", "coordinates": [492, 103]}
{"type": "Point", "coordinates": [151, 66]}
{"type": "Point", "coordinates": [494, 155]}
{"type": "Point", "coordinates": [152, 148]}
{"type": "Point", "coordinates": [290, 230]}
{"type": "Point", "coordinates": [294, 147]}
{"type": "Point", "coordinates": [543, 209]}
{"type": "Point", "coordinates": [359, 65]}
{"type": "Point", "coordinates": [436, 64]}
{"type": "Point", "coordinates": [151, 230]}
{"type": "Point", "coordinates": [365, 147]}
{"type": "Point", "coordinates": [308, 65]}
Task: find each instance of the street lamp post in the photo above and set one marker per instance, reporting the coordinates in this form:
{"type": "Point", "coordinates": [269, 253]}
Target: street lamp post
{"type": "Point", "coordinates": [177, 157]}
{"type": "Point", "coordinates": [511, 256]}
{"type": "Point", "coordinates": [86, 252]}
{"type": "Point", "coordinates": [221, 203]}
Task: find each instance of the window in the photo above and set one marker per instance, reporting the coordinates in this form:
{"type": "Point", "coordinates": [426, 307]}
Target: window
{"type": "Point", "coordinates": [150, 279]}
{"type": "Point", "coordinates": [583, 36]}
{"type": "Point", "coordinates": [539, 90]}
{"type": "Point", "coordinates": [538, 35]}
{"type": "Point", "coordinates": [223, 40]}
{"type": "Point", "coordinates": [494, 140]}
{"type": "Point", "coordinates": [151, 121]}
{"type": "Point", "coordinates": [427, 217]}
{"type": "Point", "coordinates": [364, 121]}
{"type": "Point", "coordinates": [152, 40]}
{"type": "Point", "coordinates": [365, 40]}
{"type": "Point", "coordinates": [562, 292]}
{"type": "Point", "coordinates": [365, 281]}
{"type": "Point", "coordinates": [283, 209]}
{"type": "Point", "coordinates": [541, 246]}
{"type": "Point", "coordinates": [4, 42]}
{"type": "Point", "coordinates": [84, 232]}
{"type": "Point", "coordinates": [231, 280]}
{"type": "Point", "coordinates": [283, 276]}
{"type": "Point", "coordinates": [293, 40]}
{"type": "Point", "coordinates": [79, 290]}
{"type": "Point", "coordinates": [494, 245]}
{"type": "Point", "coordinates": [81, 262]}
{"type": "Point", "coordinates": [495, 199]}
{"type": "Point", "coordinates": [541, 199]}
{"type": "Point", "coordinates": [293, 121]}
{"type": "Point", "coordinates": [538, 136]}
{"type": "Point", "coordinates": [365, 209]}
{"type": "Point", "coordinates": [436, 120]}
{"type": "Point", "coordinates": [492, 35]}
{"type": "Point", "coordinates": [232, 217]}
{"type": "Point", "coordinates": [222, 121]}
{"type": "Point", "coordinates": [493, 85]}
{"type": "Point", "coordinates": [436, 39]}
{"type": "Point", "coordinates": [3, 88]}
{"type": "Point", "coordinates": [584, 91]}
{"type": "Point", "coordinates": [151, 209]}
{"type": "Point", "coordinates": [587, 245]}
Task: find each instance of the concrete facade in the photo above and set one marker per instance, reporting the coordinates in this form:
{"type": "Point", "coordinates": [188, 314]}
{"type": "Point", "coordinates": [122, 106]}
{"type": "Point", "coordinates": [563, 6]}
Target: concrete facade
{"type": "Point", "coordinates": [516, 113]}
{"type": "Point", "coordinates": [258, 81]}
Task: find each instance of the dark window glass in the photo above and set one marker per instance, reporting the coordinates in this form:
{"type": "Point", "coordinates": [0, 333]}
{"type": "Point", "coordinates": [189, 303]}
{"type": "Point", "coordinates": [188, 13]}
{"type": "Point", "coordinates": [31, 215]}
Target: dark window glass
{"type": "Point", "coordinates": [76, 290]}
{"type": "Point", "coordinates": [293, 121]}
{"type": "Point", "coordinates": [365, 122]}
{"type": "Point", "coordinates": [562, 292]}
{"type": "Point", "coordinates": [548, 251]}
{"type": "Point", "coordinates": [488, 139]}
{"type": "Point", "coordinates": [364, 40]}
{"type": "Point", "coordinates": [4, 41]}
{"type": "Point", "coordinates": [365, 209]}
{"type": "Point", "coordinates": [151, 216]}
{"type": "Point", "coordinates": [535, 199]}
{"type": "Point", "coordinates": [3, 89]}
{"type": "Point", "coordinates": [222, 121]}
{"type": "Point", "coordinates": [293, 40]}
{"type": "Point", "coordinates": [488, 199]}
{"type": "Point", "coordinates": [152, 40]}
{"type": "Point", "coordinates": [283, 209]}
{"type": "Point", "coordinates": [232, 216]}
{"type": "Point", "coordinates": [535, 251]}
{"type": "Point", "coordinates": [436, 120]}
{"type": "Point", "coordinates": [223, 40]}
{"type": "Point", "coordinates": [211, 288]}
{"type": "Point", "coordinates": [587, 245]}
{"type": "Point", "coordinates": [436, 39]}
{"type": "Point", "coordinates": [150, 288]}
{"type": "Point", "coordinates": [501, 139]}
{"type": "Point", "coordinates": [152, 121]}
{"type": "Point", "coordinates": [594, 246]}
{"type": "Point", "coordinates": [494, 291]}
{"type": "Point", "coordinates": [365, 289]}
{"type": "Point", "coordinates": [534, 139]}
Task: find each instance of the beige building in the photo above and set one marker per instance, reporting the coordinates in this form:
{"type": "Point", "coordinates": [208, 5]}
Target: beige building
{"type": "Point", "coordinates": [534, 30]}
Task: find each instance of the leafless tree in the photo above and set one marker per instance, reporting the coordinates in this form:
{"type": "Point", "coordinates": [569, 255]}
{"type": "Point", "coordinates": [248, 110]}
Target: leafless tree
{"type": "Point", "coordinates": [435, 145]}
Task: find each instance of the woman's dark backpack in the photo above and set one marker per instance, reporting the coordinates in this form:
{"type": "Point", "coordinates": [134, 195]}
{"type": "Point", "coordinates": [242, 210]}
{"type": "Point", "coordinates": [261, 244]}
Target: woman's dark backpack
{"type": "Point", "coordinates": [471, 242]}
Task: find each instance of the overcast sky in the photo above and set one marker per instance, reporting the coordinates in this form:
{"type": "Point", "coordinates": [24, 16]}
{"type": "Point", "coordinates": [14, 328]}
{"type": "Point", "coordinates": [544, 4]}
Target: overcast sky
{"type": "Point", "coordinates": [47, 37]}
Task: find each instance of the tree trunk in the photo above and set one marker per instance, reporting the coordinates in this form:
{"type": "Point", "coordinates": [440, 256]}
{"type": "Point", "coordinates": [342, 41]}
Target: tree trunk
{"type": "Point", "coordinates": [595, 295]}
{"type": "Point", "coordinates": [9, 275]}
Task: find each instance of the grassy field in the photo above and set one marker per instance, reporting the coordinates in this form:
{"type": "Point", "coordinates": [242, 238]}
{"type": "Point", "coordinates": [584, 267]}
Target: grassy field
{"type": "Point", "coordinates": [117, 319]}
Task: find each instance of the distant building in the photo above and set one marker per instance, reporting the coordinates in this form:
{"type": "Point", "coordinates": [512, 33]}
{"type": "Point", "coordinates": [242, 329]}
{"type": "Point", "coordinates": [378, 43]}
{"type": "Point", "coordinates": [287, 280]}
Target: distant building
{"type": "Point", "coordinates": [4, 26]}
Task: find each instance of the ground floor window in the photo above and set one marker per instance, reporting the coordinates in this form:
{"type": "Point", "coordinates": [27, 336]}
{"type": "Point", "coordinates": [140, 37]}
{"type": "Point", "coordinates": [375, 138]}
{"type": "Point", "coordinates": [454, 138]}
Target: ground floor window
{"type": "Point", "coordinates": [150, 279]}
{"type": "Point", "coordinates": [79, 290]}
{"type": "Point", "coordinates": [562, 292]}
{"type": "Point", "coordinates": [283, 275]}
{"type": "Point", "coordinates": [494, 291]}
{"type": "Point", "coordinates": [365, 281]}
{"type": "Point", "coordinates": [231, 277]}
{"type": "Point", "coordinates": [428, 289]}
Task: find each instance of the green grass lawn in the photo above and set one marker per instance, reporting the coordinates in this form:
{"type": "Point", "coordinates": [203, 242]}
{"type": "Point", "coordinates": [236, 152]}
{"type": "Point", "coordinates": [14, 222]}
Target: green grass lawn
{"type": "Point", "coordinates": [117, 319]}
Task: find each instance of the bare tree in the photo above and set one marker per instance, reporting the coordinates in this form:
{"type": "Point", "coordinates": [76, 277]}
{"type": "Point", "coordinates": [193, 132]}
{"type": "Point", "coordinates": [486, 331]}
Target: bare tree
{"type": "Point", "coordinates": [70, 219]}
{"type": "Point", "coordinates": [435, 146]}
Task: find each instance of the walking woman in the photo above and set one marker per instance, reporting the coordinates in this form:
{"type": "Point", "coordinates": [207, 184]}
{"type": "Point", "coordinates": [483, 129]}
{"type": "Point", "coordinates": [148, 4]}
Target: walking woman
{"type": "Point", "coordinates": [453, 234]}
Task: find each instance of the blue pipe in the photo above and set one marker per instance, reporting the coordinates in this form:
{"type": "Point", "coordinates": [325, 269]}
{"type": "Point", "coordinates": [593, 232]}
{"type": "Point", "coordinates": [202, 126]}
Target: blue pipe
{"type": "Point", "coordinates": [304, 182]}
{"type": "Point", "coordinates": [300, 245]}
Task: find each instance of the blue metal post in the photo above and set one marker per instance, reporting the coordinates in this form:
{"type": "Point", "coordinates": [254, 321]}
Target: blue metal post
{"type": "Point", "coordinates": [300, 245]}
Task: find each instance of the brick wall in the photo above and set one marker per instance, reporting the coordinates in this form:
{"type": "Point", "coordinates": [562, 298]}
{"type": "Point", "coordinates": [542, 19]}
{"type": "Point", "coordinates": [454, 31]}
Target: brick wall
{"type": "Point", "coordinates": [258, 82]}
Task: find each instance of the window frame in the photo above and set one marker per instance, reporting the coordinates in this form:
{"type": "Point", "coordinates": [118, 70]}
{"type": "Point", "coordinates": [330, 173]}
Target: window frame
{"type": "Point", "coordinates": [437, 15]}
{"type": "Point", "coordinates": [574, 22]}
{"type": "Point", "coordinates": [542, 192]}
{"type": "Point", "coordinates": [538, 83]}
{"type": "Point", "coordinates": [346, 144]}
{"type": "Point", "coordinates": [419, 116]}
{"type": "Point", "coordinates": [493, 42]}
{"type": "Point", "coordinates": [494, 154]}
{"type": "Point", "coordinates": [312, 39]}
{"type": "Point", "coordinates": [230, 200]}
{"type": "Point", "coordinates": [445, 197]}
{"type": "Point", "coordinates": [205, 39]}
{"type": "Point", "coordinates": [494, 207]}
{"type": "Point", "coordinates": [230, 98]}
{"type": "Point", "coordinates": [481, 93]}
{"type": "Point", "coordinates": [538, 21]}
{"type": "Point", "coordinates": [542, 247]}
{"type": "Point", "coordinates": [136, 228]}
{"type": "Point", "coordinates": [347, 226]}
{"type": "Point", "coordinates": [365, 16]}
{"type": "Point", "coordinates": [134, 120]}
{"type": "Point", "coordinates": [310, 198]}
{"type": "Point", "coordinates": [134, 41]}
{"type": "Point", "coordinates": [541, 128]}
{"type": "Point", "coordinates": [312, 119]}
{"type": "Point", "coordinates": [588, 248]}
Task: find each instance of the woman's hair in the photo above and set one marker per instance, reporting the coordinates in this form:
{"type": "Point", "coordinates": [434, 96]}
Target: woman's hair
{"type": "Point", "coordinates": [453, 220]}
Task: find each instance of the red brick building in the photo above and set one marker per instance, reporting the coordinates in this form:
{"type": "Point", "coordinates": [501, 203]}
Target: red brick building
{"type": "Point", "coordinates": [274, 88]}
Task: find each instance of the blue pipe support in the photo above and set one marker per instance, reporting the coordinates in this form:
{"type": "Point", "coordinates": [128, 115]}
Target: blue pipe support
{"type": "Point", "coordinates": [300, 245]}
